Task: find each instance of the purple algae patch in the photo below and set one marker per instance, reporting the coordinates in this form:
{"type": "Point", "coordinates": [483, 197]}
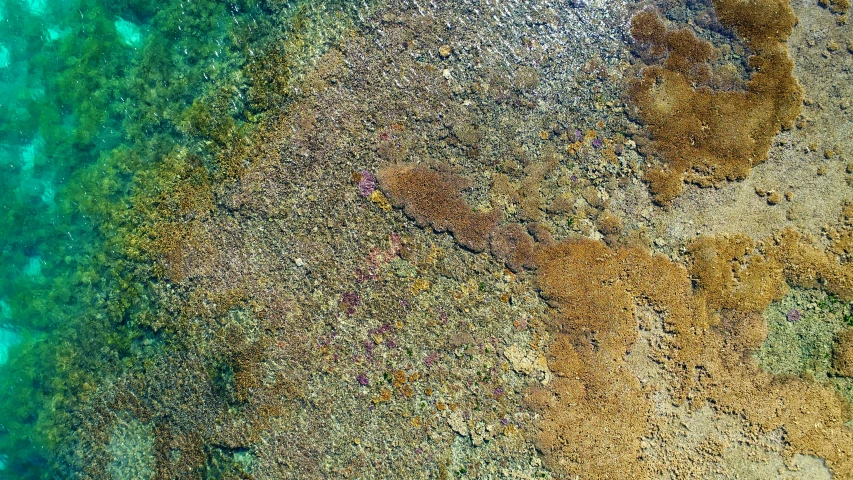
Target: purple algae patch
{"type": "Point", "coordinates": [351, 298]}
{"type": "Point", "coordinates": [430, 359]}
{"type": "Point", "coordinates": [367, 184]}
{"type": "Point", "coordinates": [793, 315]}
{"type": "Point", "coordinates": [362, 379]}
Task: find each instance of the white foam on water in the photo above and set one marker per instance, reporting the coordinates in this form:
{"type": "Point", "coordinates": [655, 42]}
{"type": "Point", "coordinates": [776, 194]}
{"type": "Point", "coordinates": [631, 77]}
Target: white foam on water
{"type": "Point", "coordinates": [36, 7]}
{"type": "Point", "coordinates": [5, 56]}
{"type": "Point", "coordinates": [128, 33]}
{"type": "Point", "coordinates": [33, 267]}
{"type": "Point", "coordinates": [51, 34]}
{"type": "Point", "coordinates": [8, 339]}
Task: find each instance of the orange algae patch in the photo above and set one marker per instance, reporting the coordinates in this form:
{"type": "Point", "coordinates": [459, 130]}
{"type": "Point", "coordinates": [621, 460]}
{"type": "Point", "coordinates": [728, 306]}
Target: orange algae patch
{"type": "Point", "coordinates": [705, 136]}
{"type": "Point", "coordinates": [434, 198]}
{"type": "Point", "coordinates": [732, 274]}
{"type": "Point", "coordinates": [737, 272]}
{"type": "Point", "coordinates": [595, 414]}
{"type": "Point", "coordinates": [587, 427]}
{"type": "Point", "coordinates": [811, 415]}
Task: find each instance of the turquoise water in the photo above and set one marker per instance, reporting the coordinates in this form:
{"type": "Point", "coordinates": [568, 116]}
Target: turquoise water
{"type": "Point", "coordinates": [105, 105]}
{"type": "Point", "coordinates": [91, 94]}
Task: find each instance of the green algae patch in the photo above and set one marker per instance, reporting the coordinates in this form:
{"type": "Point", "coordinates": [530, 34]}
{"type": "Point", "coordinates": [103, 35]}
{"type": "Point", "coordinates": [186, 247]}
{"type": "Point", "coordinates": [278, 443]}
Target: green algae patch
{"type": "Point", "coordinates": [803, 329]}
{"type": "Point", "coordinates": [801, 332]}
{"type": "Point", "coordinates": [156, 126]}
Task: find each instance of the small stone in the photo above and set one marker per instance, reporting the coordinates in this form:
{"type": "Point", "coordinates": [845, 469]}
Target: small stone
{"type": "Point", "coordinates": [850, 168]}
{"type": "Point", "coordinates": [832, 46]}
{"type": "Point", "coordinates": [458, 424]}
{"type": "Point", "coordinates": [773, 198]}
{"type": "Point", "coordinates": [760, 192]}
{"type": "Point", "coordinates": [821, 170]}
{"type": "Point", "coordinates": [445, 51]}
{"type": "Point", "coordinates": [789, 195]}
{"type": "Point", "coordinates": [850, 47]}
{"type": "Point", "coordinates": [829, 154]}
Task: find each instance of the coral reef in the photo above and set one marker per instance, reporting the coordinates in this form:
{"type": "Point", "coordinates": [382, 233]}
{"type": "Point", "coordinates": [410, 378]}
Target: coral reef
{"type": "Point", "coordinates": [702, 135]}
{"type": "Point", "coordinates": [131, 447]}
{"type": "Point", "coordinates": [305, 330]}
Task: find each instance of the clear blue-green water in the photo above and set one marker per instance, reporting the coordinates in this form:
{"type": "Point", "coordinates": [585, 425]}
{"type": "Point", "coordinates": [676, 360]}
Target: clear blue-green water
{"type": "Point", "coordinates": [91, 94]}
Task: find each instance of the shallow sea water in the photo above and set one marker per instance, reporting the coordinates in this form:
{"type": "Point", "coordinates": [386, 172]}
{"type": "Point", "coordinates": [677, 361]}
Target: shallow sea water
{"type": "Point", "coordinates": [220, 259]}
{"type": "Point", "coordinates": [71, 75]}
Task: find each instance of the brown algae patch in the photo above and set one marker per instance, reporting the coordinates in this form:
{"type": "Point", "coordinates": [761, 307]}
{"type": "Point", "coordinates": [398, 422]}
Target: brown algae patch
{"type": "Point", "coordinates": [434, 198]}
{"type": "Point", "coordinates": [704, 135]}
{"type": "Point", "coordinates": [707, 352]}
